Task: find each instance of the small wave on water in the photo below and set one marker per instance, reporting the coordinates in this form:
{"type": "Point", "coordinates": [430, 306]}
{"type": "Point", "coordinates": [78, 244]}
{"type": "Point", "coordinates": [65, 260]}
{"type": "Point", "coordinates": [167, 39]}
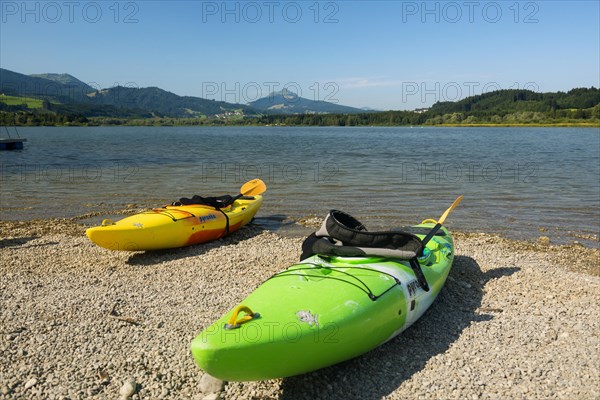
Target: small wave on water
{"type": "Point", "coordinates": [519, 182]}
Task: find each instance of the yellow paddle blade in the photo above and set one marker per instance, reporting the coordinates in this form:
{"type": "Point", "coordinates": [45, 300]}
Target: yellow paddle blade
{"type": "Point", "coordinates": [452, 207]}
{"type": "Point", "coordinates": [253, 188]}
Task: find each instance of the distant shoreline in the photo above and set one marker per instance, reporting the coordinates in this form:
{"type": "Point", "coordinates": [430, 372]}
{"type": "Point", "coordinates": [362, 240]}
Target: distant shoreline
{"type": "Point", "coordinates": [557, 125]}
{"type": "Point", "coordinates": [188, 123]}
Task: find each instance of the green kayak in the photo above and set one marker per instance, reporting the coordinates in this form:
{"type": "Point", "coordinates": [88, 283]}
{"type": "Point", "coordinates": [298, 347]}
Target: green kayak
{"type": "Point", "coordinates": [326, 309]}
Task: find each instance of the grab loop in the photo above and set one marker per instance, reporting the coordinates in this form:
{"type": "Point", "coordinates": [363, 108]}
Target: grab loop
{"type": "Point", "coordinates": [107, 222]}
{"type": "Point", "coordinates": [235, 323]}
{"type": "Point", "coordinates": [429, 221]}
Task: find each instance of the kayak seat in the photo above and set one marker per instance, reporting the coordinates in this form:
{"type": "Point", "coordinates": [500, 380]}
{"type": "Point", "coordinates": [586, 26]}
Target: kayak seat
{"type": "Point", "coordinates": [344, 236]}
{"type": "Point", "coordinates": [216, 202]}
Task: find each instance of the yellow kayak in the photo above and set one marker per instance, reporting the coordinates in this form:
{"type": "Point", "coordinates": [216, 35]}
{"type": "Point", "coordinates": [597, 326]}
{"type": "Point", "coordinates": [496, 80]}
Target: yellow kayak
{"type": "Point", "coordinates": [181, 225]}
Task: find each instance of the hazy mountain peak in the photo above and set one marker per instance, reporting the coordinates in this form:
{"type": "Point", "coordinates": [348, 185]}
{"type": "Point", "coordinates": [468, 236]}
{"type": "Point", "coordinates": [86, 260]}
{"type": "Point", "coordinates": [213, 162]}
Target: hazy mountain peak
{"type": "Point", "coordinates": [65, 79]}
{"type": "Point", "coordinates": [287, 102]}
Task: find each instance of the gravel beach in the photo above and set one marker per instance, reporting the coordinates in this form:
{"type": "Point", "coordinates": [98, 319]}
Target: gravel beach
{"type": "Point", "coordinates": [515, 320]}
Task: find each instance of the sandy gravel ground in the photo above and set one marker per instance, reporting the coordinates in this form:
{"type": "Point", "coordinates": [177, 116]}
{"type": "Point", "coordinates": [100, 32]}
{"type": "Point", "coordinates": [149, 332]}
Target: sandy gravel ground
{"type": "Point", "coordinates": [515, 321]}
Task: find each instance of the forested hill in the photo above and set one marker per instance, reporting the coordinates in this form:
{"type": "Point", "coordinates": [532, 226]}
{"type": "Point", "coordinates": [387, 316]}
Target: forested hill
{"type": "Point", "coordinates": [503, 102]}
{"type": "Point", "coordinates": [63, 94]}
{"type": "Point", "coordinates": [160, 101]}
{"type": "Point", "coordinates": [504, 107]}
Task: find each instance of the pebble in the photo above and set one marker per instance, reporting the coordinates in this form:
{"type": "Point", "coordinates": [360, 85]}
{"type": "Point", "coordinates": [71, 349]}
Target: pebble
{"type": "Point", "coordinates": [30, 383]}
{"type": "Point", "coordinates": [514, 320]}
{"type": "Point", "coordinates": [210, 384]}
{"type": "Point", "coordinates": [128, 389]}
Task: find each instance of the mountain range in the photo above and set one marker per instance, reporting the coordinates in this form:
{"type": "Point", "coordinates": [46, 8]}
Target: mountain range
{"type": "Point", "coordinates": [62, 99]}
{"type": "Point", "coordinates": [65, 94]}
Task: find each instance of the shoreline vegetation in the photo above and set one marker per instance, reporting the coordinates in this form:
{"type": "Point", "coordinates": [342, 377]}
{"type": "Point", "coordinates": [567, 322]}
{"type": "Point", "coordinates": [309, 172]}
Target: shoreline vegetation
{"type": "Point", "coordinates": [214, 123]}
{"type": "Point", "coordinates": [29, 120]}
{"type": "Point", "coordinates": [589, 119]}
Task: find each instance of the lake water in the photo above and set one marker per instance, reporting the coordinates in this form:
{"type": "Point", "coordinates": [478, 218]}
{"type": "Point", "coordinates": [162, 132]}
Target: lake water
{"type": "Point", "coordinates": [519, 182]}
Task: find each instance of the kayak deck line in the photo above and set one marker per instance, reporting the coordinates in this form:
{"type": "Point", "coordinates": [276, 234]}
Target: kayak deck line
{"type": "Point", "coordinates": [168, 214]}
{"type": "Point", "coordinates": [362, 285]}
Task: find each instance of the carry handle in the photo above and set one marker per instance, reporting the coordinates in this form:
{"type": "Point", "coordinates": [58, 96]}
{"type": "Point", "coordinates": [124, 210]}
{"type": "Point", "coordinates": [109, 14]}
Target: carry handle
{"type": "Point", "coordinates": [235, 323]}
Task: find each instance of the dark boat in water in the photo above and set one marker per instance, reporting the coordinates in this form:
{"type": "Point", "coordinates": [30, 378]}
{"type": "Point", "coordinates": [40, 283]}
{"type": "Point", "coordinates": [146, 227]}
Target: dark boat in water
{"type": "Point", "coordinates": [12, 143]}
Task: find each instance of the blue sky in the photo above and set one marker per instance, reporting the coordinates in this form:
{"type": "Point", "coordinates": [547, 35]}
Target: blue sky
{"type": "Point", "coordinates": [379, 54]}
